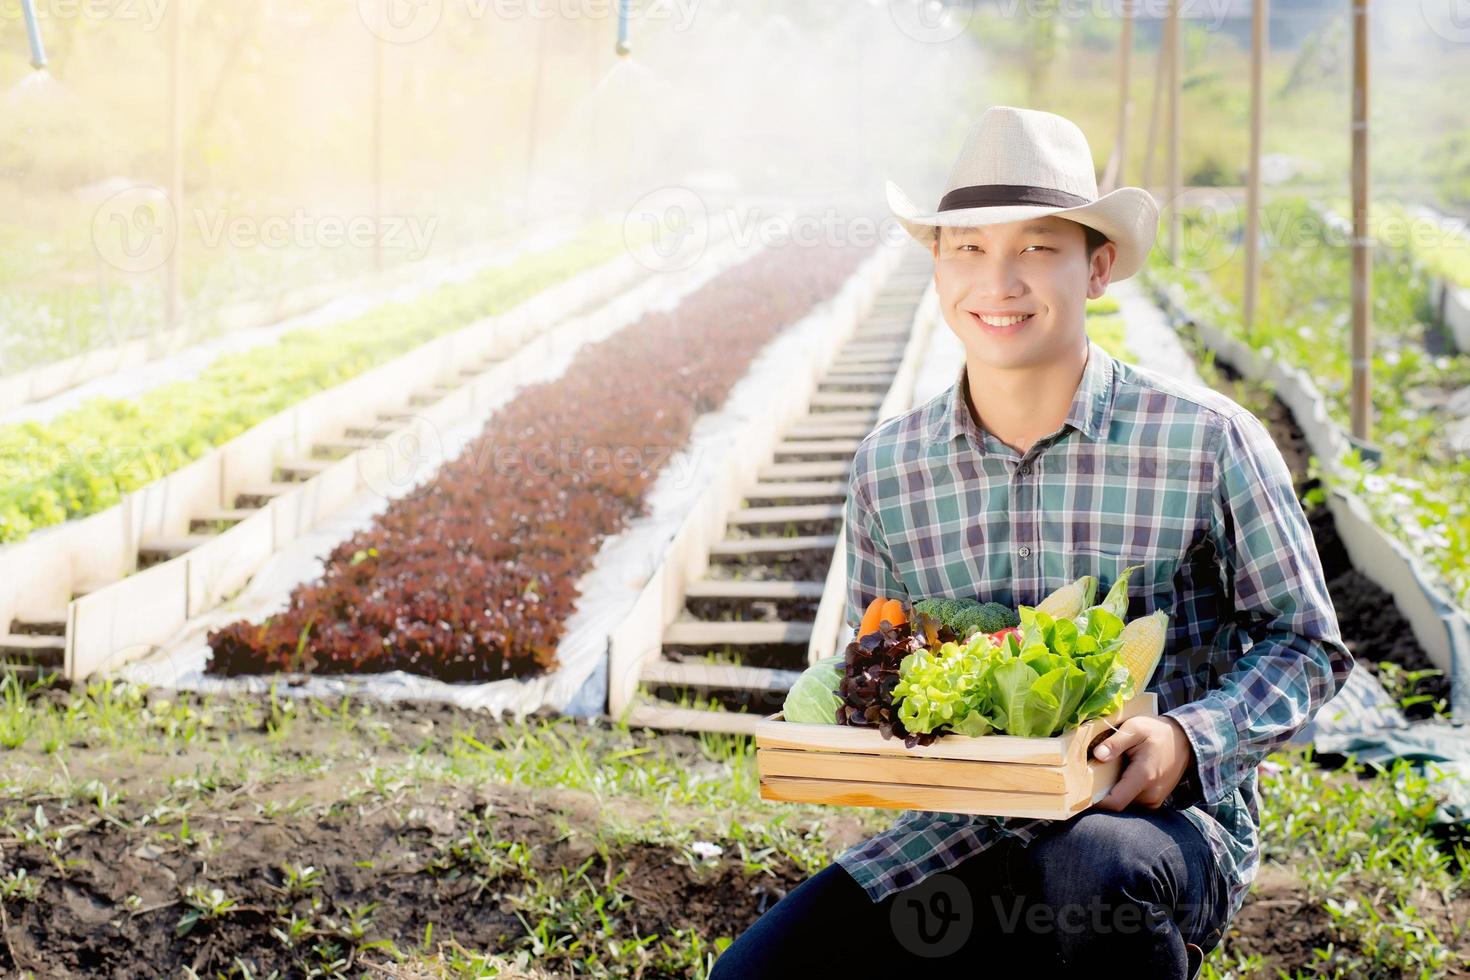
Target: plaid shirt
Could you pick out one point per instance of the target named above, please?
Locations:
(1148, 471)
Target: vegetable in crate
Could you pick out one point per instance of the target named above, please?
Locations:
(881, 610)
(870, 671)
(946, 688)
(813, 699)
(969, 616)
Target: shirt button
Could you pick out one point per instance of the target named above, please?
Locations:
(1024, 551)
(1025, 469)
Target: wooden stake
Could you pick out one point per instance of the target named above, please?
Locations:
(1260, 22)
(1161, 78)
(377, 154)
(1118, 164)
(175, 285)
(1362, 404)
(1174, 181)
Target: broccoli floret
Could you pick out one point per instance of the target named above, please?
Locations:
(992, 617)
(968, 616)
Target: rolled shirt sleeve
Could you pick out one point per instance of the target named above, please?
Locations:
(1296, 660)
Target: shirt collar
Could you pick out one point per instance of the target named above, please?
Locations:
(1088, 414)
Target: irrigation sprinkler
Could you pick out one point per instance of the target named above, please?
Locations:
(33, 34)
(623, 49)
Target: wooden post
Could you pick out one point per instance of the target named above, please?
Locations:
(1161, 78)
(1260, 21)
(532, 124)
(174, 291)
(1118, 165)
(1362, 403)
(1174, 183)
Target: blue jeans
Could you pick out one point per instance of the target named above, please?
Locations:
(1099, 893)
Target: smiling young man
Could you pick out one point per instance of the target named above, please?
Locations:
(1047, 460)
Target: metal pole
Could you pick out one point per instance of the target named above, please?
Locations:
(1174, 181)
(531, 124)
(1260, 15)
(1362, 403)
(377, 154)
(33, 35)
(1118, 165)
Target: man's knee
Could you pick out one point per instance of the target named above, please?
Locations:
(1097, 876)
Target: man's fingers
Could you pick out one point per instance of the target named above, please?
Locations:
(1125, 790)
(1119, 742)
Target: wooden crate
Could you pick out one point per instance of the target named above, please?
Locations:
(995, 775)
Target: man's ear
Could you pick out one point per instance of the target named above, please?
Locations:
(1100, 271)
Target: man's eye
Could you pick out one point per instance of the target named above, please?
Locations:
(1042, 247)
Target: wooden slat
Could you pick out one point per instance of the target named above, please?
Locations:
(734, 632)
(873, 350)
(676, 718)
(230, 515)
(900, 796)
(717, 676)
(802, 471)
(858, 378)
(49, 651)
(809, 447)
(173, 546)
(774, 546)
(851, 417)
(864, 362)
(777, 734)
(1005, 776)
(784, 515)
(346, 444)
(265, 491)
(824, 488)
(713, 588)
(845, 399)
(306, 467)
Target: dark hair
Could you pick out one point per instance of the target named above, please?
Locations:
(1095, 239)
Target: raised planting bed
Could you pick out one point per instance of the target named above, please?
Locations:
(87, 459)
(472, 576)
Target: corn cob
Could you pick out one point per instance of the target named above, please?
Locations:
(1069, 601)
(1143, 646)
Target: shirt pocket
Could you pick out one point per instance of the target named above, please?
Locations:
(1150, 587)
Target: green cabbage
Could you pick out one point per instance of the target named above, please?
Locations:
(813, 699)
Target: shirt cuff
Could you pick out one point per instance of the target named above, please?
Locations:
(1202, 726)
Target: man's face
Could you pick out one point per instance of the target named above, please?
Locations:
(1038, 267)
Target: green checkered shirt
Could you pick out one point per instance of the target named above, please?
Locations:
(1145, 470)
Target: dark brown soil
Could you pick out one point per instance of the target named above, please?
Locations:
(407, 853)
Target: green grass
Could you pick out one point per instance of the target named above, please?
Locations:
(1364, 848)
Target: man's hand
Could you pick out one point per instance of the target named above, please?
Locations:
(1158, 755)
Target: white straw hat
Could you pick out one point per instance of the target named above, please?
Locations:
(1024, 163)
